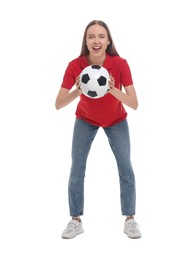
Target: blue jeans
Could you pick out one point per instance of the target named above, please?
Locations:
(118, 137)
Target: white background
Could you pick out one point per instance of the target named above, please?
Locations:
(38, 39)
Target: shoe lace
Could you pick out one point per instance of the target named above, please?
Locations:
(71, 225)
(133, 225)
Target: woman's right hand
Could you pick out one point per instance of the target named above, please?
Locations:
(78, 84)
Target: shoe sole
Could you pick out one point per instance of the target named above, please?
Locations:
(72, 237)
(132, 237)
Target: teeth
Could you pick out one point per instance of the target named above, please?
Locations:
(96, 48)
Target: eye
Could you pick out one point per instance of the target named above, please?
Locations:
(102, 36)
(90, 37)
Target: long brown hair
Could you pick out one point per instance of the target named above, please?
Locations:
(111, 50)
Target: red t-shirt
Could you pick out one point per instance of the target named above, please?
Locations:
(105, 111)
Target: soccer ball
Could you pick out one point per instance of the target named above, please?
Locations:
(94, 81)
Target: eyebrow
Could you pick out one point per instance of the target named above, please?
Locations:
(101, 34)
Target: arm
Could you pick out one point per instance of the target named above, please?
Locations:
(129, 97)
(65, 97)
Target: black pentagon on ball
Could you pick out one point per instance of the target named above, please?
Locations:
(92, 93)
(85, 78)
(97, 67)
(102, 81)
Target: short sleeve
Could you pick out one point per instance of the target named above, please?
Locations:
(126, 77)
(69, 77)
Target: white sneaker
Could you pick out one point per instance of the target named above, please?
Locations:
(131, 228)
(73, 228)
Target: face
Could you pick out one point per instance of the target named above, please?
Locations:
(97, 40)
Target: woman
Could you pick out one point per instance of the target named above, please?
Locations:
(106, 112)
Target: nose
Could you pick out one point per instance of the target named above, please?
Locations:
(96, 39)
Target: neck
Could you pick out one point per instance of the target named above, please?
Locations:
(96, 60)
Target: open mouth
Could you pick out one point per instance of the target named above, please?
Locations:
(96, 48)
